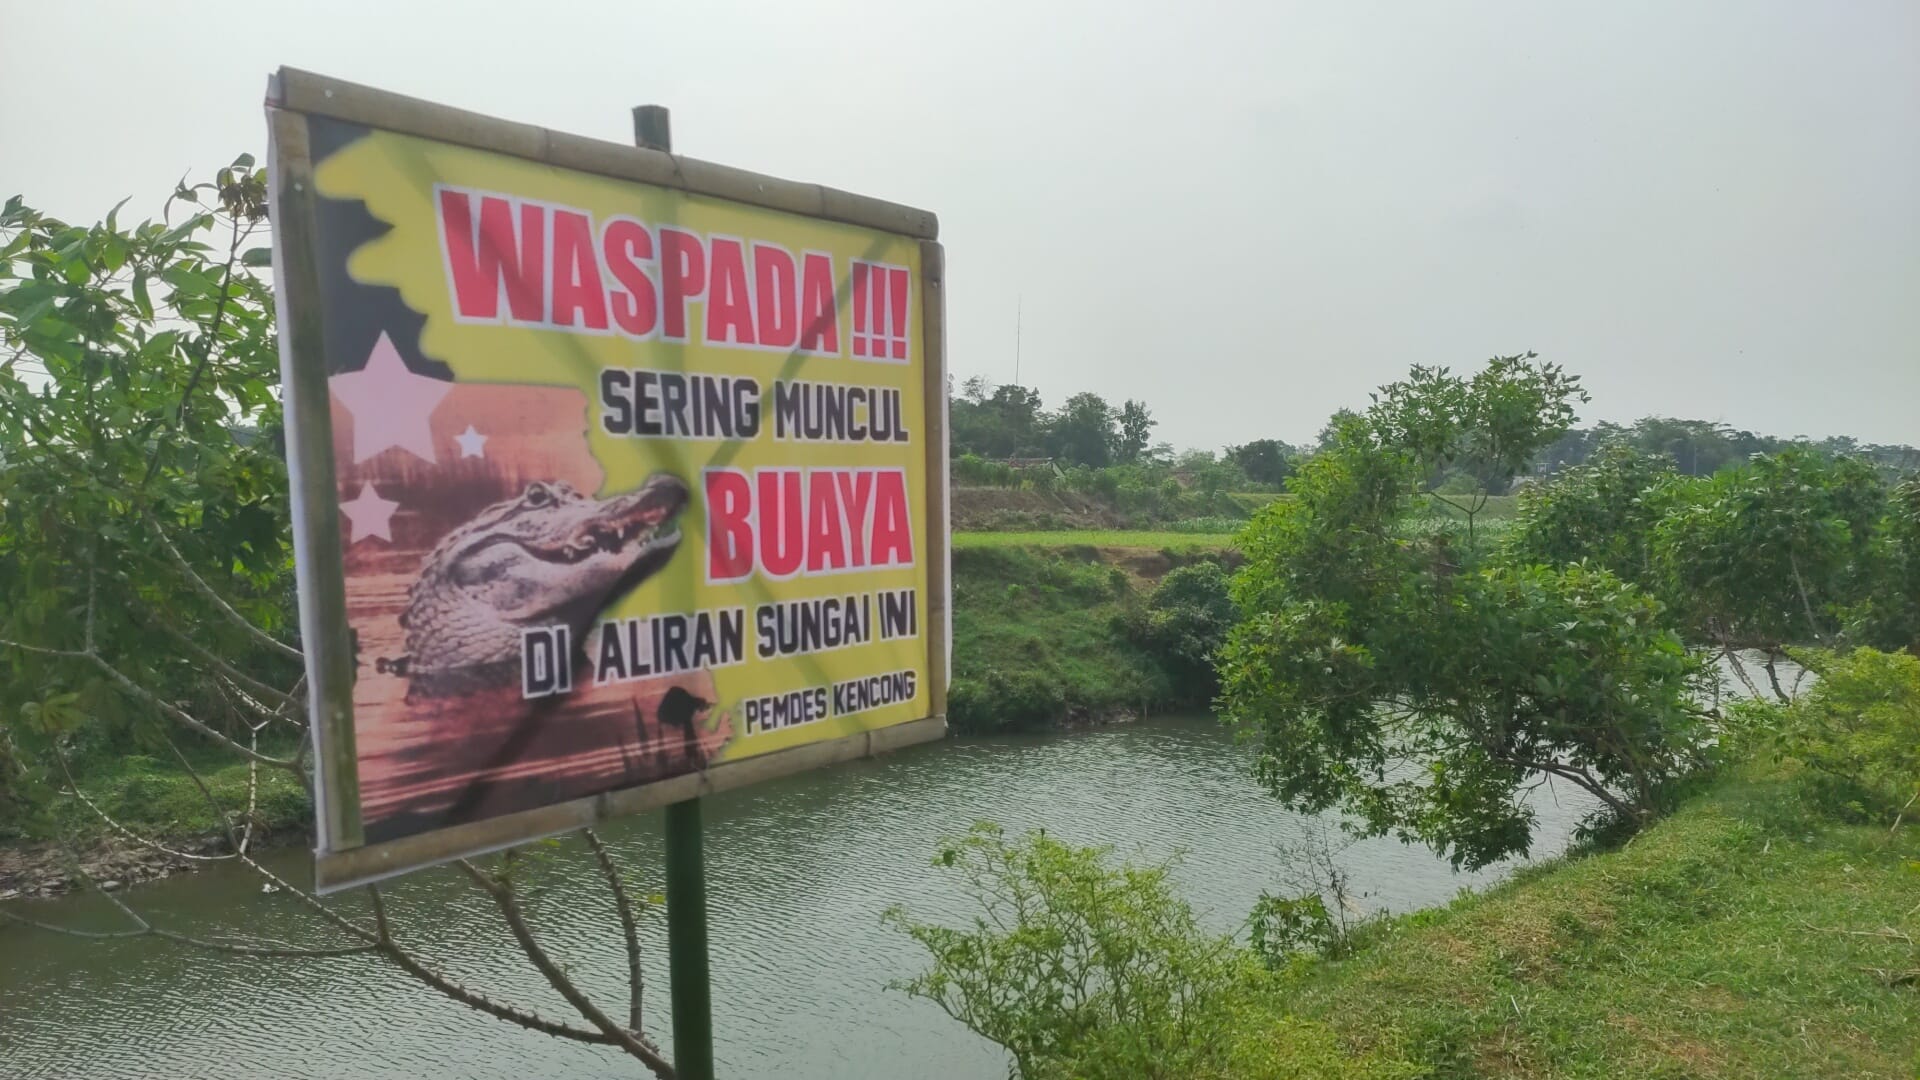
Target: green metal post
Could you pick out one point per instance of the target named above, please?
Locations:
(690, 989)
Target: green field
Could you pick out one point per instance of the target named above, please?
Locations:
(1118, 538)
(1254, 500)
(1496, 506)
(1753, 934)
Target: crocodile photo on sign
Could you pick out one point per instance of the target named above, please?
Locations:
(549, 557)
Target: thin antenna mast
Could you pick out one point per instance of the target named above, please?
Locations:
(1019, 306)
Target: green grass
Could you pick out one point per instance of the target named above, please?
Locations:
(1748, 936)
(1123, 538)
(153, 796)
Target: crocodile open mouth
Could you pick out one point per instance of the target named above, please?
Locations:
(610, 539)
(645, 519)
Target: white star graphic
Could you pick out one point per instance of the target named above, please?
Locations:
(470, 442)
(390, 404)
(370, 514)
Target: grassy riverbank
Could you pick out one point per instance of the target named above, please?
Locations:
(1752, 934)
(1038, 638)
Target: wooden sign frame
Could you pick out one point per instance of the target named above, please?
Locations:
(344, 858)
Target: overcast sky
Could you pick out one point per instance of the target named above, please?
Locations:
(1247, 214)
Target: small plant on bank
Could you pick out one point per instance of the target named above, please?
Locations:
(1183, 624)
(1085, 968)
(1076, 965)
(1857, 730)
(1320, 912)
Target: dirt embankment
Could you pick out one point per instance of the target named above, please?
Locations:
(35, 870)
(1146, 566)
(982, 509)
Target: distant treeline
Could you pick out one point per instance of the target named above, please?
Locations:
(991, 425)
(1703, 447)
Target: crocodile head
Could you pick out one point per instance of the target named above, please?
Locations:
(548, 557)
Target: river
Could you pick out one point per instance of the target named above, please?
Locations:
(799, 871)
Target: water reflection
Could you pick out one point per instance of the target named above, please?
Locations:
(799, 871)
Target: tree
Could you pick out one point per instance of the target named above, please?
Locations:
(146, 561)
(1419, 687)
(1265, 461)
(1770, 552)
(1698, 447)
(996, 422)
(1489, 427)
(1083, 431)
(1330, 432)
(1886, 615)
(1136, 431)
(1603, 512)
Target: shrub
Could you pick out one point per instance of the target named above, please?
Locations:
(1072, 960)
(1089, 969)
(1857, 729)
(1183, 624)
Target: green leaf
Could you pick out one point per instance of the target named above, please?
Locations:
(259, 256)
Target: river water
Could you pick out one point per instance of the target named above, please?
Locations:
(798, 870)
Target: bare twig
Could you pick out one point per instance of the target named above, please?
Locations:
(143, 928)
(251, 685)
(253, 792)
(400, 958)
(1902, 815)
(1773, 679)
(380, 924)
(68, 930)
(219, 813)
(1739, 669)
(219, 602)
(382, 940)
(168, 707)
(93, 593)
(184, 717)
(632, 1042)
(1887, 932)
(377, 940)
(43, 650)
(628, 926)
(1813, 625)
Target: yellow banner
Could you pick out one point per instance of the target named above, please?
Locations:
(631, 481)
